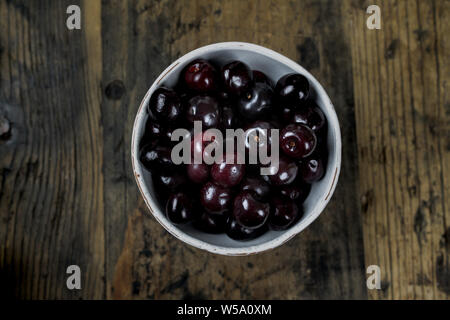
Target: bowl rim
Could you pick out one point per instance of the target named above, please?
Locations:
(287, 234)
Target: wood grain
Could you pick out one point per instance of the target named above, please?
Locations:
(400, 74)
(51, 199)
(67, 193)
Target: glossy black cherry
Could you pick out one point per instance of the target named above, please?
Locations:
(237, 77)
(249, 212)
(237, 232)
(312, 168)
(211, 223)
(171, 181)
(311, 116)
(298, 190)
(259, 76)
(259, 188)
(215, 199)
(156, 158)
(165, 105)
(292, 88)
(203, 108)
(283, 213)
(179, 208)
(256, 102)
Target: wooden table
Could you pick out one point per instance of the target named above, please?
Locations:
(68, 196)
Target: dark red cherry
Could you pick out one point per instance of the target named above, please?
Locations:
(259, 76)
(258, 134)
(205, 109)
(286, 174)
(156, 158)
(312, 168)
(297, 141)
(249, 212)
(237, 232)
(292, 88)
(283, 213)
(198, 173)
(286, 113)
(298, 190)
(311, 116)
(179, 208)
(259, 188)
(167, 136)
(199, 144)
(153, 130)
(201, 76)
(229, 118)
(237, 77)
(256, 102)
(165, 105)
(227, 173)
(214, 198)
(171, 181)
(211, 223)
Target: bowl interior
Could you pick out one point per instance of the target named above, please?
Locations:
(274, 66)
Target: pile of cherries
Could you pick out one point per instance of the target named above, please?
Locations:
(230, 197)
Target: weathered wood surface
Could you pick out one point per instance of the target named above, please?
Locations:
(68, 196)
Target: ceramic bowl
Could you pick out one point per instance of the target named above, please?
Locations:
(274, 65)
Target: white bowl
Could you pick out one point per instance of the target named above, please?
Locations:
(273, 65)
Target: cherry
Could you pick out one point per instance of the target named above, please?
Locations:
(171, 181)
(256, 102)
(227, 174)
(214, 198)
(224, 96)
(153, 130)
(297, 141)
(201, 76)
(261, 132)
(237, 232)
(198, 173)
(292, 88)
(198, 145)
(211, 223)
(167, 136)
(249, 212)
(259, 188)
(283, 213)
(286, 113)
(179, 208)
(205, 109)
(310, 116)
(156, 158)
(286, 174)
(298, 190)
(237, 77)
(259, 76)
(229, 118)
(165, 105)
(312, 168)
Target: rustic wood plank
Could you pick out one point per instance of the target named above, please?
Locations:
(67, 106)
(400, 75)
(51, 196)
(326, 261)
